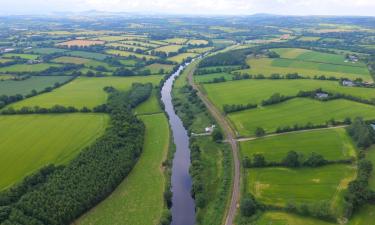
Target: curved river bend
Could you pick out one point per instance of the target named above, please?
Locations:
(183, 206)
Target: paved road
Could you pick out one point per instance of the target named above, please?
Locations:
(231, 137)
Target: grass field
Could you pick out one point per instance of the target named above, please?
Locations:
(333, 144)
(280, 186)
(24, 146)
(371, 156)
(267, 66)
(197, 42)
(254, 91)
(81, 61)
(138, 200)
(22, 56)
(27, 67)
(84, 91)
(88, 55)
(150, 106)
(38, 83)
(181, 57)
(45, 51)
(169, 48)
(126, 54)
(298, 111)
(126, 46)
(156, 67)
(200, 50)
(307, 38)
(143, 44)
(209, 78)
(282, 218)
(81, 43)
(363, 216)
(178, 41)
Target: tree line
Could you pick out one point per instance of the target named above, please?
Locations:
(62, 195)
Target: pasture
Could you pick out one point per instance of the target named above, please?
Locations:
(22, 56)
(80, 43)
(282, 218)
(84, 91)
(22, 68)
(363, 216)
(45, 51)
(371, 156)
(29, 142)
(168, 49)
(126, 46)
(210, 77)
(81, 61)
(127, 54)
(279, 186)
(88, 55)
(254, 91)
(200, 50)
(333, 144)
(197, 42)
(308, 38)
(138, 200)
(24, 87)
(267, 66)
(298, 111)
(150, 106)
(177, 41)
(181, 57)
(157, 67)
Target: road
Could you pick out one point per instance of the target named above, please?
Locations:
(231, 138)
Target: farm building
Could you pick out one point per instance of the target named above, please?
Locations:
(373, 126)
(321, 95)
(348, 83)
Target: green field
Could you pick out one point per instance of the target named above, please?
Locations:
(197, 42)
(81, 61)
(307, 38)
(298, 111)
(138, 200)
(84, 91)
(27, 67)
(29, 142)
(22, 56)
(254, 91)
(333, 144)
(168, 49)
(268, 66)
(363, 216)
(209, 77)
(126, 46)
(45, 51)
(178, 41)
(126, 54)
(280, 186)
(24, 87)
(88, 55)
(156, 67)
(150, 106)
(371, 156)
(200, 50)
(181, 57)
(282, 218)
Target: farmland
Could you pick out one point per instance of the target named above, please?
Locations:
(126, 54)
(181, 57)
(254, 91)
(298, 111)
(81, 43)
(18, 68)
(25, 148)
(287, 219)
(331, 143)
(84, 92)
(11, 87)
(127, 204)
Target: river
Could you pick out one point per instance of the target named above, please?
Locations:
(183, 205)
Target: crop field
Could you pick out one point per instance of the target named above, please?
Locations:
(22, 56)
(181, 57)
(156, 67)
(298, 111)
(88, 55)
(279, 186)
(127, 204)
(254, 91)
(282, 218)
(24, 87)
(168, 49)
(81, 43)
(17, 68)
(333, 144)
(84, 91)
(25, 148)
(126, 54)
(4, 77)
(2, 60)
(126, 46)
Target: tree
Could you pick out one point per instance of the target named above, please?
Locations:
(217, 136)
(248, 206)
(291, 159)
(259, 132)
(246, 162)
(259, 160)
(315, 160)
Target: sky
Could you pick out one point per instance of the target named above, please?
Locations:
(194, 7)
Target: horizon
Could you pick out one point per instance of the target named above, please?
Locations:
(194, 7)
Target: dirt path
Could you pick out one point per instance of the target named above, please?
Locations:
(291, 132)
(231, 137)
